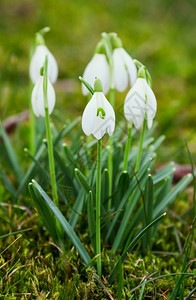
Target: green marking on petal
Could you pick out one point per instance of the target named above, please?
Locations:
(101, 112)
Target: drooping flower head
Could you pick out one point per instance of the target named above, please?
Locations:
(98, 67)
(112, 64)
(124, 68)
(37, 97)
(98, 116)
(38, 58)
(140, 102)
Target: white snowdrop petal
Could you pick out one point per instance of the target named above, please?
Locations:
(40, 98)
(99, 129)
(91, 123)
(36, 96)
(135, 111)
(52, 68)
(37, 63)
(120, 73)
(139, 103)
(149, 123)
(151, 102)
(89, 116)
(110, 117)
(131, 67)
(34, 101)
(134, 105)
(108, 123)
(97, 67)
(51, 96)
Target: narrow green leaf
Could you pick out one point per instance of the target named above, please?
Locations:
(122, 187)
(149, 208)
(176, 289)
(29, 174)
(87, 85)
(190, 294)
(68, 229)
(142, 290)
(66, 130)
(44, 211)
(77, 208)
(82, 180)
(131, 246)
(66, 169)
(133, 184)
(7, 183)
(162, 276)
(164, 173)
(171, 196)
(11, 154)
(70, 156)
(91, 220)
(13, 233)
(105, 187)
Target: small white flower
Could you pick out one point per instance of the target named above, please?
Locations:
(124, 69)
(37, 97)
(97, 67)
(140, 103)
(98, 116)
(37, 63)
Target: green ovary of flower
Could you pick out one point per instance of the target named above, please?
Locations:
(101, 112)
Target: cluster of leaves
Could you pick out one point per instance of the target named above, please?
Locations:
(143, 196)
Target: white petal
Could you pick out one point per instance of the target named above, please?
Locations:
(140, 101)
(108, 123)
(51, 97)
(151, 104)
(52, 68)
(91, 123)
(120, 73)
(97, 67)
(37, 98)
(37, 63)
(89, 116)
(149, 123)
(134, 105)
(131, 67)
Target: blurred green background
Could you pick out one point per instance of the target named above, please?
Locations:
(161, 34)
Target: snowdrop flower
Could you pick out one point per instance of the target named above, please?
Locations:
(37, 97)
(124, 68)
(140, 103)
(98, 116)
(37, 62)
(98, 67)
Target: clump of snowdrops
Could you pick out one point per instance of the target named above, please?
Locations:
(104, 182)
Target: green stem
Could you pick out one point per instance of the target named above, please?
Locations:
(140, 146)
(49, 138)
(110, 154)
(32, 123)
(127, 148)
(98, 207)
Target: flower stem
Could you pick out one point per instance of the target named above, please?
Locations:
(110, 154)
(98, 207)
(49, 138)
(140, 146)
(127, 148)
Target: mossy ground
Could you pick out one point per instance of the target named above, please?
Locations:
(32, 267)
